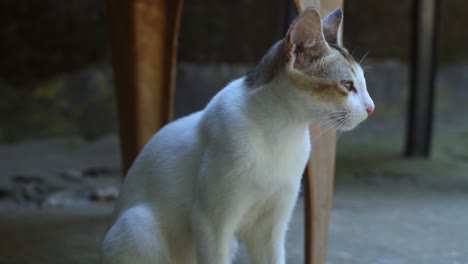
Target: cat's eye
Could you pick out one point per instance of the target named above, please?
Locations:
(349, 86)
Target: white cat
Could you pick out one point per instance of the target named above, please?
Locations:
(233, 170)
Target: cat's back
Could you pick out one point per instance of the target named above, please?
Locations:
(192, 133)
(224, 108)
(225, 115)
(164, 161)
(183, 131)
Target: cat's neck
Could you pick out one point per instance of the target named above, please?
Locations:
(274, 114)
(270, 97)
(275, 105)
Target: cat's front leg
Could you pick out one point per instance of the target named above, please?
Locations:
(265, 245)
(265, 241)
(213, 238)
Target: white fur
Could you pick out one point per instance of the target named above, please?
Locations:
(357, 103)
(231, 171)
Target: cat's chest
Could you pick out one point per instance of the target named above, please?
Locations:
(280, 160)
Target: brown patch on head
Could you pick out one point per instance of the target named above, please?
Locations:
(322, 77)
(331, 91)
(322, 89)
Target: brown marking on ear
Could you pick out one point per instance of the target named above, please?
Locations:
(305, 41)
(307, 27)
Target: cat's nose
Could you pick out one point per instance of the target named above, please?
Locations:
(370, 109)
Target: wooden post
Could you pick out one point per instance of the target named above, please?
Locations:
(320, 172)
(318, 191)
(418, 138)
(143, 37)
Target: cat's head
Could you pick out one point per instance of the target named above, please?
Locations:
(324, 72)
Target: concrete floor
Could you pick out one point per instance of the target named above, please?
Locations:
(381, 224)
(386, 209)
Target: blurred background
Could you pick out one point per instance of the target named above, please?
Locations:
(60, 164)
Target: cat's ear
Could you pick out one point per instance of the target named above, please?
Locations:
(331, 27)
(305, 40)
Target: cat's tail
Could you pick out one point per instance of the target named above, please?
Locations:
(134, 238)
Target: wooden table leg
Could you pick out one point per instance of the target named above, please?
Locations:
(143, 37)
(318, 192)
(320, 171)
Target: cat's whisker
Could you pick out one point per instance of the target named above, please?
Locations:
(328, 127)
(331, 121)
(332, 116)
(323, 131)
(366, 68)
(364, 57)
(343, 121)
(336, 113)
(342, 124)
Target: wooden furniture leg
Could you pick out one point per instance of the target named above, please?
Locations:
(143, 36)
(318, 192)
(319, 176)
